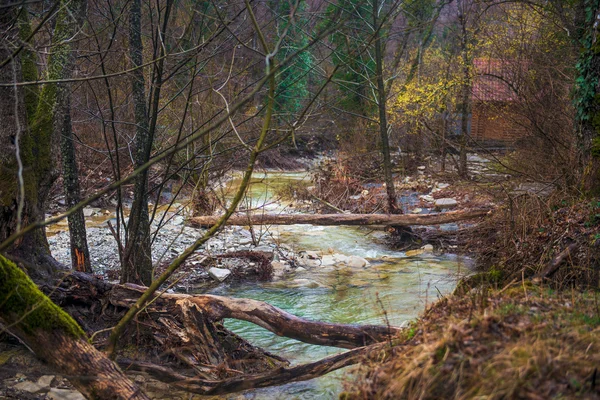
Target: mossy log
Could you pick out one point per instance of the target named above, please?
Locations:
(345, 219)
(57, 339)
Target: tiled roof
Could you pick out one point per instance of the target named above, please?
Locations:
(494, 80)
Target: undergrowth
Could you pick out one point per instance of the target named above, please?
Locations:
(522, 341)
(523, 238)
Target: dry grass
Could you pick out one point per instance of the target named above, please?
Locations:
(524, 342)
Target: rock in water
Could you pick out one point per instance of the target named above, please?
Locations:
(446, 203)
(356, 262)
(219, 274)
(427, 248)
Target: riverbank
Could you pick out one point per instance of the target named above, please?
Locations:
(520, 341)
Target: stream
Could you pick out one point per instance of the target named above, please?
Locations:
(393, 289)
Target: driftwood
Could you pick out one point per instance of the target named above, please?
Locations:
(345, 219)
(556, 262)
(278, 376)
(281, 323)
(180, 340)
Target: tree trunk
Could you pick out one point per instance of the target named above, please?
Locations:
(137, 256)
(80, 255)
(344, 219)
(57, 339)
(20, 172)
(383, 126)
(70, 21)
(465, 104)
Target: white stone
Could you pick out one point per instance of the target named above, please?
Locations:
(313, 255)
(89, 211)
(30, 387)
(307, 263)
(277, 265)
(64, 394)
(417, 211)
(45, 380)
(219, 274)
(446, 203)
(443, 185)
(427, 248)
(427, 198)
(340, 258)
(300, 269)
(177, 220)
(328, 260)
(421, 168)
(356, 262)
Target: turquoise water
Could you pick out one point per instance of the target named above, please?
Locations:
(394, 289)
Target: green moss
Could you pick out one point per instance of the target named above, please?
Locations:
(25, 306)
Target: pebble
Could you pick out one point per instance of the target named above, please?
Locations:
(45, 380)
(446, 203)
(64, 394)
(27, 386)
(219, 274)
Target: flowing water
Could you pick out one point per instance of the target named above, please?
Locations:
(394, 289)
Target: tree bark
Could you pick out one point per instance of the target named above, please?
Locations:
(80, 255)
(345, 219)
(20, 200)
(137, 256)
(57, 339)
(278, 376)
(70, 20)
(465, 104)
(383, 125)
(281, 323)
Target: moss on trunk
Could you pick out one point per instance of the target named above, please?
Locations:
(23, 305)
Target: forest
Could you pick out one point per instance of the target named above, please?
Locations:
(299, 199)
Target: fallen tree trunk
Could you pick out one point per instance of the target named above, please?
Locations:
(556, 262)
(280, 322)
(345, 219)
(180, 339)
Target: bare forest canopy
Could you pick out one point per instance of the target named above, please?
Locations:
(134, 105)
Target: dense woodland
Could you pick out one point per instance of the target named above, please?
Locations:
(138, 107)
